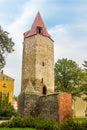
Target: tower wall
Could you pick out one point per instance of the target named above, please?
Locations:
(28, 62)
(38, 64)
(44, 64)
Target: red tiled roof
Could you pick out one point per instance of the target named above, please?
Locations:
(38, 22)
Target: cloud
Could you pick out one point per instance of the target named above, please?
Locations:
(16, 30)
(66, 44)
(67, 26)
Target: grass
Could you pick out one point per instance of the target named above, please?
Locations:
(17, 129)
(80, 119)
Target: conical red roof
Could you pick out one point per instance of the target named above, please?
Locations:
(38, 23)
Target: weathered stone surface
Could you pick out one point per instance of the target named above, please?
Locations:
(21, 100)
(48, 106)
(27, 104)
(55, 106)
(38, 64)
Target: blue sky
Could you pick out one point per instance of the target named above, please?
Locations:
(65, 20)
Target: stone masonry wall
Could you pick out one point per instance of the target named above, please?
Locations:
(55, 106)
(28, 62)
(44, 54)
(48, 106)
(27, 104)
(38, 64)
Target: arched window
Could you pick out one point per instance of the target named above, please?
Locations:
(44, 90)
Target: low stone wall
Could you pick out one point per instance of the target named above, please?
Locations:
(48, 106)
(27, 104)
(65, 106)
(55, 106)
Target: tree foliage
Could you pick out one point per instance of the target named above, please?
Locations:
(68, 77)
(6, 46)
(84, 87)
(6, 108)
(85, 66)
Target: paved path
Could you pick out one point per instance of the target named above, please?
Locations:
(3, 121)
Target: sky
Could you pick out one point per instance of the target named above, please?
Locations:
(65, 20)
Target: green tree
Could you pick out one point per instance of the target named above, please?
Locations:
(85, 65)
(6, 46)
(69, 77)
(84, 91)
(84, 87)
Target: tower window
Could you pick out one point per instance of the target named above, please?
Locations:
(39, 30)
(42, 80)
(43, 63)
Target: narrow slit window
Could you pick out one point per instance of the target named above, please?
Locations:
(43, 63)
(42, 80)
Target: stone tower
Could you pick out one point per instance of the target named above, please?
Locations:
(37, 97)
(38, 60)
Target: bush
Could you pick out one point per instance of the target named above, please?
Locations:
(38, 123)
(28, 122)
(6, 108)
(73, 125)
(67, 125)
(44, 124)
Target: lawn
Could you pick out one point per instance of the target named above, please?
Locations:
(17, 129)
(80, 119)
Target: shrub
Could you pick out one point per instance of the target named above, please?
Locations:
(38, 123)
(44, 124)
(6, 108)
(4, 124)
(73, 125)
(67, 125)
(28, 122)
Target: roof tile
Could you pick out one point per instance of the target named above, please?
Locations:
(38, 23)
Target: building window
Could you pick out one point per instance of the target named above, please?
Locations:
(6, 77)
(39, 30)
(4, 85)
(3, 92)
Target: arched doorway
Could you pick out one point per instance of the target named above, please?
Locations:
(44, 91)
